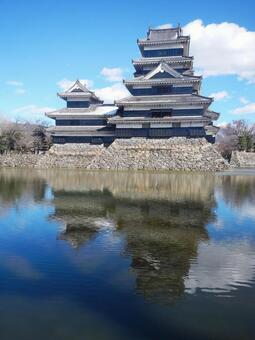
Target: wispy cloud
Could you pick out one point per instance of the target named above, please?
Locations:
(243, 100)
(30, 113)
(18, 85)
(20, 91)
(33, 109)
(15, 83)
(221, 95)
(247, 109)
(112, 74)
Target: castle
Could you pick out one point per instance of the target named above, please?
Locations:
(165, 99)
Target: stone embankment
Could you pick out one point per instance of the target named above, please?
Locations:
(136, 153)
(242, 159)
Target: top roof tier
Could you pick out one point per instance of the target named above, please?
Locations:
(164, 33)
(80, 92)
(163, 38)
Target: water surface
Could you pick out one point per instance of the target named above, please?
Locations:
(128, 255)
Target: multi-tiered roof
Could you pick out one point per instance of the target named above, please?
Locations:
(165, 93)
(84, 119)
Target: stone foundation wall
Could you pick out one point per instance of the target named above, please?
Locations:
(177, 153)
(242, 159)
(14, 160)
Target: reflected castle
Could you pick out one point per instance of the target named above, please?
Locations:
(161, 216)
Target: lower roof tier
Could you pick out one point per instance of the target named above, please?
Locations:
(94, 111)
(79, 131)
(211, 129)
(164, 101)
(165, 120)
(173, 61)
(211, 114)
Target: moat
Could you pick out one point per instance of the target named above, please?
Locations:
(126, 255)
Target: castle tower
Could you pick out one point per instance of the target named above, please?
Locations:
(165, 96)
(84, 119)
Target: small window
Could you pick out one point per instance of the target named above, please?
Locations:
(157, 114)
(146, 125)
(176, 125)
(164, 89)
(160, 114)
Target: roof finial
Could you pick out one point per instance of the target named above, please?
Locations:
(148, 32)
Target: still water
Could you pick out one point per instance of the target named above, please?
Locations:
(107, 255)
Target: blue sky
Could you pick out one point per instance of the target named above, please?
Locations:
(46, 44)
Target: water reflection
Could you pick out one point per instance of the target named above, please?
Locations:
(100, 240)
(14, 184)
(162, 217)
(237, 190)
(221, 268)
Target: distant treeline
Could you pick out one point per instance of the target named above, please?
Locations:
(24, 137)
(238, 135)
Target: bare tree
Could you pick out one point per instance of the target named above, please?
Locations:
(23, 137)
(238, 135)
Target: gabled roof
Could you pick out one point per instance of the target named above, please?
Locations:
(78, 90)
(78, 87)
(162, 67)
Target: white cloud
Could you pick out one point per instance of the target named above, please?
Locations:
(246, 109)
(32, 109)
(220, 95)
(164, 26)
(18, 85)
(15, 83)
(222, 49)
(111, 93)
(65, 84)
(31, 112)
(243, 100)
(112, 74)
